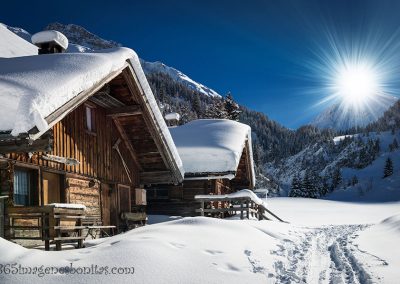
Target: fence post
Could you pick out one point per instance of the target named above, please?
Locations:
(248, 209)
(202, 208)
(2, 215)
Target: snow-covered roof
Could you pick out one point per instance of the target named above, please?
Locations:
(50, 36)
(33, 87)
(12, 45)
(212, 145)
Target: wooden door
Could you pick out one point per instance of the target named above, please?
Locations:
(106, 204)
(124, 198)
(52, 188)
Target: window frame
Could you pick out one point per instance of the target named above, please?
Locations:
(90, 120)
(33, 198)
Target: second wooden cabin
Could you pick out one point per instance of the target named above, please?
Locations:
(217, 158)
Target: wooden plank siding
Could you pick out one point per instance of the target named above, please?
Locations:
(92, 150)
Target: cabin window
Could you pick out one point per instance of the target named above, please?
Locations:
(90, 119)
(157, 193)
(25, 187)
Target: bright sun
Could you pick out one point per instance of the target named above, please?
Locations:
(356, 84)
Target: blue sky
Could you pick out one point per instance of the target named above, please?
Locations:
(260, 51)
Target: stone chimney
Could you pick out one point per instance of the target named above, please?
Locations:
(172, 118)
(50, 42)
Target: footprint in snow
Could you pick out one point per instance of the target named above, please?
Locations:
(213, 252)
(177, 245)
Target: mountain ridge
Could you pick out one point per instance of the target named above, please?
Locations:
(340, 117)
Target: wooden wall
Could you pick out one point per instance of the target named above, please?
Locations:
(85, 192)
(93, 150)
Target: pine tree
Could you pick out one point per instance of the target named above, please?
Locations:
(315, 181)
(197, 105)
(388, 169)
(307, 185)
(232, 108)
(336, 178)
(377, 146)
(324, 188)
(296, 187)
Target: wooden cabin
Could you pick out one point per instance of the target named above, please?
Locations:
(217, 159)
(82, 129)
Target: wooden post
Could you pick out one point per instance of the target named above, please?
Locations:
(58, 242)
(2, 217)
(46, 230)
(260, 213)
(247, 209)
(202, 208)
(241, 210)
(80, 241)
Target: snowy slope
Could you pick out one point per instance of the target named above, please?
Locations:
(372, 187)
(317, 246)
(158, 67)
(380, 241)
(12, 43)
(325, 156)
(336, 117)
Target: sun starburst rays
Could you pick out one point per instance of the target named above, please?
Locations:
(357, 75)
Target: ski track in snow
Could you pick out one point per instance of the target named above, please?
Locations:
(324, 255)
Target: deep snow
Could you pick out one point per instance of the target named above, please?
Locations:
(326, 242)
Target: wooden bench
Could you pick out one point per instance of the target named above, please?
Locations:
(94, 226)
(47, 223)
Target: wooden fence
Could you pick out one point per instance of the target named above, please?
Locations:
(220, 206)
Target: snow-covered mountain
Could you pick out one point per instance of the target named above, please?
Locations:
(338, 118)
(80, 36)
(159, 67)
(81, 40)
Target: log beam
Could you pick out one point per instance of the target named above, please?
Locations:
(124, 111)
(127, 143)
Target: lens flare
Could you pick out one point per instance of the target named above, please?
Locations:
(356, 85)
(357, 76)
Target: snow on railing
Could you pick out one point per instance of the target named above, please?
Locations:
(247, 202)
(238, 194)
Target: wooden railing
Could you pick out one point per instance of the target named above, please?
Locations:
(219, 206)
(46, 223)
